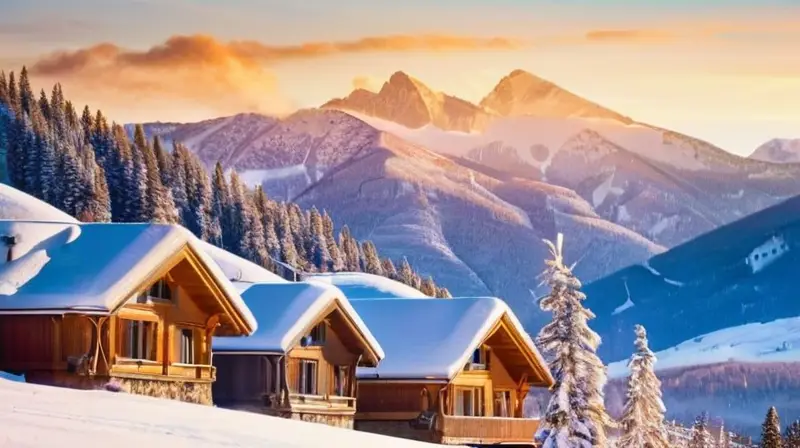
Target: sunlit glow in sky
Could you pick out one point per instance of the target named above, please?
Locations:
(726, 71)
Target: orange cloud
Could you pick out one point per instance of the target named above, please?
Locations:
(629, 36)
(227, 77)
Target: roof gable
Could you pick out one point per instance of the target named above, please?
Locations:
(446, 333)
(105, 263)
(286, 311)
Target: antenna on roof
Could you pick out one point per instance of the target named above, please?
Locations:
(10, 241)
(296, 273)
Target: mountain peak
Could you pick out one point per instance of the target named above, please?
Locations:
(778, 150)
(523, 93)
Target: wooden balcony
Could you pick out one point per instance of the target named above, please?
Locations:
(321, 404)
(458, 430)
(192, 371)
(156, 370)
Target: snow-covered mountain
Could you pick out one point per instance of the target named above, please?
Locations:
(473, 229)
(778, 150)
(407, 101)
(468, 191)
(524, 94)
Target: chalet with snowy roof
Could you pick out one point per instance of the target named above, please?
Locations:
(82, 305)
(456, 372)
(301, 362)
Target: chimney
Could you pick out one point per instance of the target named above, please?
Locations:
(10, 241)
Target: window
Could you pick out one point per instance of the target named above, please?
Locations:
(469, 401)
(502, 403)
(186, 338)
(318, 334)
(307, 377)
(340, 380)
(479, 360)
(138, 339)
(161, 290)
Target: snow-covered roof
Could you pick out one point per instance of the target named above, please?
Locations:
(285, 311)
(433, 339)
(37, 416)
(240, 271)
(93, 267)
(15, 204)
(359, 285)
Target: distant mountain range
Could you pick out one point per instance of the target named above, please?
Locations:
(467, 191)
(778, 150)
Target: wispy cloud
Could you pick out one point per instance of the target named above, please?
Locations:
(225, 76)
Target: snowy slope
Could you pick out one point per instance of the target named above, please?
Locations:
(776, 341)
(778, 150)
(41, 416)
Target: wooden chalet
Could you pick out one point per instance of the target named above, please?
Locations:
(456, 372)
(130, 306)
(301, 362)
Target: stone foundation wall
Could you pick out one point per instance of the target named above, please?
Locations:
(191, 392)
(339, 421)
(396, 428)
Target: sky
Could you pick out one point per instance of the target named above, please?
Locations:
(726, 71)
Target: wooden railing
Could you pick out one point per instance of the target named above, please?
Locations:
(485, 430)
(192, 371)
(322, 401)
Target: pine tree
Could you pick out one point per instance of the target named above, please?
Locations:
(372, 262)
(44, 105)
(428, 287)
(576, 415)
(26, 98)
(266, 211)
(88, 126)
(220, 205)
(724, 438)
(4, 100)
(405, 274)
(792, 435)
(162, 161)
(443, 293)
(318, 247)
(771, 430)
(349, 250)
(701, 438)
(337, 258)
(643, 418)
(388, 268)
(137, 203)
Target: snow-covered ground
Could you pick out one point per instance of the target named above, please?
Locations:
(776, 341)
(41, 416)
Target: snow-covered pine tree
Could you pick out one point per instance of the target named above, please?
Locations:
(372, 262)
(791, 438)
(317, 245)
(428, 287)
(724, 438)
(119, 174)
(87, 126)
(162, 161)
(388, 268)
(771, 430)
(44, 105)
(3, 89)
(335, 252)
(220, 206)
(349, 250)
(179, 187)
(26, 99)
(137, 203)
(405, 274)
(701, 437)
(576, 415)
(643, 417)
(443, 293)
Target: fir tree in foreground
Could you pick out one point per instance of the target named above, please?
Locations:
(791, 438)
(701, 437)
(771, 430)
(576, 416)
(643, 418)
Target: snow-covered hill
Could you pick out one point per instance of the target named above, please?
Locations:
(776, 341)
(778, 150)
(41, 416)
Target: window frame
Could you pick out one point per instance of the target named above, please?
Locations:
(191, 350)
(303, 377)
(140, 339)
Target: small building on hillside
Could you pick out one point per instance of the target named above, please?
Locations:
(456, 372)
(301, 362)
(82, 305)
